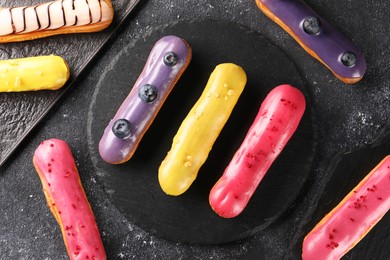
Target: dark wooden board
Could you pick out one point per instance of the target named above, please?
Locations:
(20, 112)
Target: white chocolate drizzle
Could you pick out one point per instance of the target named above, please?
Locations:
(53, 15)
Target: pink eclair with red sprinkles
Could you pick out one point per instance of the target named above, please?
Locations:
(274, 125)
(341, 229)
(66, 199)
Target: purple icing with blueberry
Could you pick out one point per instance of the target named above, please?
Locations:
(168, 59)
(339, 53)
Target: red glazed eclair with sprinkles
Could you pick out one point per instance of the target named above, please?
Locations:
(341, 229)
(57, 17)
(66, 199)
(277, 120)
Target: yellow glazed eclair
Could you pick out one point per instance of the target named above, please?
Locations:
(34, 73)
(57, 17)
(201, 128)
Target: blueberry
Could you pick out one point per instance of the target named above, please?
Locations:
(312, 25)
(147, 93)
(121, 128)
(348, 58)
(170, 59)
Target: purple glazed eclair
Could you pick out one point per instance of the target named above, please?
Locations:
(167, 61)
(319, 38)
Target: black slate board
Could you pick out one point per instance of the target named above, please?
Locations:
(20, 112)
(133, 186)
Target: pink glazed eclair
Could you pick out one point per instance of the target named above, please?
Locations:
(342, 228)
(66, 199)
(275, 123)
(57, 17)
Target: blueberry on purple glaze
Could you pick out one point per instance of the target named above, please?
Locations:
(312, 25)
(170, 59)
(348, 58)
(147, 93)
(121, 128)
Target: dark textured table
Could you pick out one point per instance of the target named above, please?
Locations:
(353, 136)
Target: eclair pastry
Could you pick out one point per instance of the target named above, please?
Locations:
(33, 73)
(67, 201)
(166, 63)
(57, 17)
(274, 125)
(200, 129)
(317, 37)
(342, 228)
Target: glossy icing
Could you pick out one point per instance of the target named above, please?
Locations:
(275, 123)
(138, 113)
(55, 15)
(34, 73)
(66, 199)
(199, 130)
(341, 229)
(327, 46)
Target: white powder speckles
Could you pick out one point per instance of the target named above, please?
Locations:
(361, 126)
(110, 191)
(130, 227)
(365, 118)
